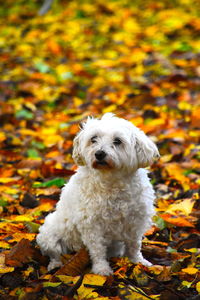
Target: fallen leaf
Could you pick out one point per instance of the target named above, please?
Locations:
(21, 253)
(176, 220)
(90, 280)
(198, 287)
(181, 206)
(190, 270)
(3, 267)
(76, 264)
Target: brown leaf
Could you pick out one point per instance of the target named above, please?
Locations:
(29, 201)
(165, 275)
(76, 265)
(29, 164)
(21, 253)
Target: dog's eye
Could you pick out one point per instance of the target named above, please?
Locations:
(93, 139)
(117, 141)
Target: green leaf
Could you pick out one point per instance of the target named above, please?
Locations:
(3, 203)
(80, 14)
(38, 145)
(42, 67)
(24, 114)
(161, 224)
(32, 153)
(51, 284)
(59, 182)
(184, 46)
(66, 75)
(171, 250)
(32, 227)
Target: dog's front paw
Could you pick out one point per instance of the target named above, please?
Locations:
(145, 262)
(54, 264)
(142, 260)
(102, 268)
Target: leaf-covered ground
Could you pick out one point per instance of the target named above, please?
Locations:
(138, 59)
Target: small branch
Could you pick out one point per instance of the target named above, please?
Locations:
(45, 7)
(135, 288)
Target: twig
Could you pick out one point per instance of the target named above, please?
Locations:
(45, 7)
(134, 288)
(72, 290)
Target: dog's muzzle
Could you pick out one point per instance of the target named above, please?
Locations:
(100, 160)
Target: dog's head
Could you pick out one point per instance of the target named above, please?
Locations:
(113, 143)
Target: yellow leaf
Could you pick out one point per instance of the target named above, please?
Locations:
(110, 108)
(3, 267)
(43, 207)
(192, 250)
(67, 279)
(176, 133)
(190, 270)
(198, 287)
(131, 293)
(183, 206)
(28, 271)
(2, 136)
(166, 158)
(187, 283)
(130, 25)
(175, 171)
(183, 105)
(16, 237)
(137, 121)
(4, 245)
(25, 131)
(21, 218)
(93, 279)
(156, 269)
(140, 276)
(10, 190)
(7, 180)
(194, 133)
(7, 226)
(77, 101)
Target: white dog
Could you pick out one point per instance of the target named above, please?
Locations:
(107, 205)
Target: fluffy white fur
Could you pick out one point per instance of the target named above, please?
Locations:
(107, 205)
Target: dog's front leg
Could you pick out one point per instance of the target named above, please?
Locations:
(97, 248)
(133, 251)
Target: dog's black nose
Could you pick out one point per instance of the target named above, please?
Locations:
(100, 155)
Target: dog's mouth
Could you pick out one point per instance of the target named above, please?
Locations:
(102, 164)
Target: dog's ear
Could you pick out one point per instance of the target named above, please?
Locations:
(77, 156)
(146, 150)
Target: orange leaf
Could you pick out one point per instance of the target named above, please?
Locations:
(54, 47)
(190, 270)
(176, 220)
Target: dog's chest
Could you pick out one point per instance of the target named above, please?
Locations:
(110, 204)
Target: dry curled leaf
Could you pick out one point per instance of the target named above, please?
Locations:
(76, 264)
(21, 253)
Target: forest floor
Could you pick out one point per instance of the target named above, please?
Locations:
(138, 60)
